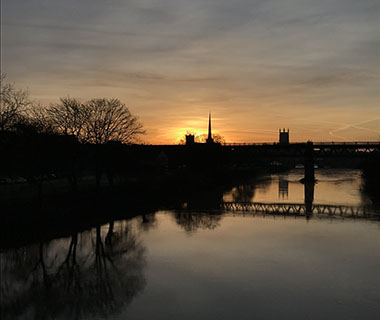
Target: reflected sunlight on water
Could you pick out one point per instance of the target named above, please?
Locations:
(334, 186)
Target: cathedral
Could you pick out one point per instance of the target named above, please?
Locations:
(190, 139)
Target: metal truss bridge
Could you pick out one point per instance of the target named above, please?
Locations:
(301, 209)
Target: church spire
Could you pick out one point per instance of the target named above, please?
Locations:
(209, 137)
(209, 126)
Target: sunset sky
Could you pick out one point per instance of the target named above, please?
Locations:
(257, 65)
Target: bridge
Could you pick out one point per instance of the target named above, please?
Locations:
(290, 150)
(301, 209)
(307, 153)
(297, 149)
(350, 144)
(201, 155)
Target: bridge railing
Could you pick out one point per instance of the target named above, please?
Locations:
(350, 143)
(335, 143)
(300, 209)
(232, 144)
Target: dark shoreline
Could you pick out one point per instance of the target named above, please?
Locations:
(54, 215)
(32, 218)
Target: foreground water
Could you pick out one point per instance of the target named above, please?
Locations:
(185, 264)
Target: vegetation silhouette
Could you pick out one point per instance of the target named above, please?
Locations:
(97, 121)
(14, 104)
(202, 138)
(69, 139)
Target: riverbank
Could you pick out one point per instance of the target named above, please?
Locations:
(52, 209)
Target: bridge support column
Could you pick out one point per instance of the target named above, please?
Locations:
(309, 198)
(309, 163)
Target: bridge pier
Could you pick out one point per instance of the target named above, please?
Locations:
(309, 198)
(309, 163)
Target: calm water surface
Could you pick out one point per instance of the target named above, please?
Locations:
(209, 265)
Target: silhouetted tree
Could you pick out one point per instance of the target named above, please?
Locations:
(203, 137)
(69, 117)
(37, 118)
(97, 121)
(13, 104)
(110, 120)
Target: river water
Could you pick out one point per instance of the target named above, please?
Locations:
(210, 264)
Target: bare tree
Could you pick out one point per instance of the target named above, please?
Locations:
(38, 118)
(97, 121)
(111, 120)
(13, 103)
(69, 117)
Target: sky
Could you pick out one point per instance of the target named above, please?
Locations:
(256, 65)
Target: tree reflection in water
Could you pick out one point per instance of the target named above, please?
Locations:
(246, 192)
(243, 193)
(93, 273)
(148, 222)
(192, 221)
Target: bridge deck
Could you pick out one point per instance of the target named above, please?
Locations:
(374, 144)
(299, 209)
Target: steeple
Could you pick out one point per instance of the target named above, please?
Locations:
(209, 137)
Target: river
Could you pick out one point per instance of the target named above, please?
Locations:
(212, 264)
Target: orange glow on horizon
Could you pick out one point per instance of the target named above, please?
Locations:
(237, 128)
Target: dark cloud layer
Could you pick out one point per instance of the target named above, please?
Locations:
(272, 63)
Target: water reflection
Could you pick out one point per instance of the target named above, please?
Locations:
(262, 267)
(309, 197)
(336, 193)
(283, 187)
(192, 221)
(93, 273)
(199, 258)
(335, 187)
(247, 192)
(148, 222)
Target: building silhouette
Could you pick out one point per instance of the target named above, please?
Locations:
(190, 138)
(209, 137)
(284, 136)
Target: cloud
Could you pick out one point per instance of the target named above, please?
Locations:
(273, 60)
